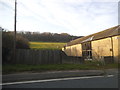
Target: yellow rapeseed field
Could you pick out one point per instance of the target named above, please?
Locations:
(46, 45)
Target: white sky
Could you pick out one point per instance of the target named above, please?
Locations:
(75, 17)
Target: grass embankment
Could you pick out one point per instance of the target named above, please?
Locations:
(54, 67)
(46, 45)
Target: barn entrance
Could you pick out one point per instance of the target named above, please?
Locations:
(87, 51)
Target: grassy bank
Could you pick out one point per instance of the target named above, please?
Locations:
(46, 45)
(40, 68)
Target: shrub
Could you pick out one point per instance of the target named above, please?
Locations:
(8, 43)
(22, 43)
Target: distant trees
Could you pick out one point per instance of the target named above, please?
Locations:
(48, 37)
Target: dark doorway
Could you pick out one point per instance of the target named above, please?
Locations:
(87, 50)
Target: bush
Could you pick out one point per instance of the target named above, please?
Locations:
(8, 41)
(8, 44)
(22, 43)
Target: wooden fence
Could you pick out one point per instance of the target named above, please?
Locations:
(34, 57)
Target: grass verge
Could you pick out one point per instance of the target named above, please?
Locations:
(7, 69)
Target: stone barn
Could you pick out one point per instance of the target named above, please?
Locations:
(104, 45)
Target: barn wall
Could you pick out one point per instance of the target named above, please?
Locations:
(119, 49)
(101, 48)
(74, 50)
(79, 50)
(67, 51)
(115, 47)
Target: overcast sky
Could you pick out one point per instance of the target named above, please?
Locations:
(75, 17)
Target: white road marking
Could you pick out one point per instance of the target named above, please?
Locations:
(59, 79)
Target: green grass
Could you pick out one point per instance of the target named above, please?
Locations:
(46, 45)
(53, 67)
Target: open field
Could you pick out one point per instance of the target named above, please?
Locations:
(53, 67)
(46, 45)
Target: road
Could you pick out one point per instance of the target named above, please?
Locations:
(110, 81)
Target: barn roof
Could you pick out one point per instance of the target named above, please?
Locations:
(100, 35)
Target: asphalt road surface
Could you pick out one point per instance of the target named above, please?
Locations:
(110, 81)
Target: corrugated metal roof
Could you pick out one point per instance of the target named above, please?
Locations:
(103, 34)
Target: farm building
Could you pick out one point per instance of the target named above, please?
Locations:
(104, 45)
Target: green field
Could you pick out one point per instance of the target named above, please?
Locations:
(46, 45)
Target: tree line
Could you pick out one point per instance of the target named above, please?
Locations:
(48, 37)
(45, 36)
